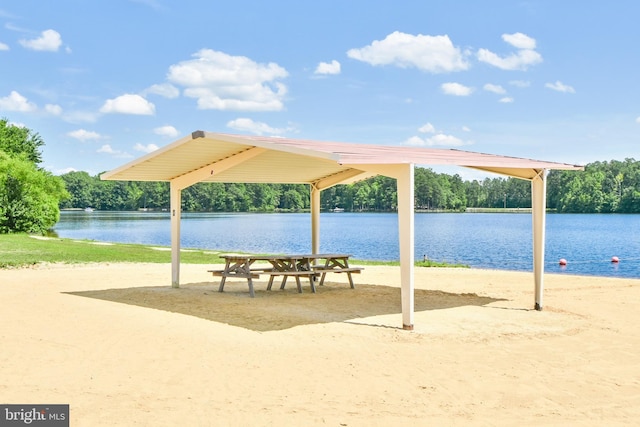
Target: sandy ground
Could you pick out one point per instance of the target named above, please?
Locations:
(123, 348)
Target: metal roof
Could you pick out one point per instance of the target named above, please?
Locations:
(219, 157)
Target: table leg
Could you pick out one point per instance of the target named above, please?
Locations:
(351, 280)
(224, 277)
(322, 278)
(251, 287)
(306, 265)
(346, 265)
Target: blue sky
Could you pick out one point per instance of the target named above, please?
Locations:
(104, 82)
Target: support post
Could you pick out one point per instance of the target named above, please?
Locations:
(176, 197)
(406, 204)
(315, 219)
(539, 206)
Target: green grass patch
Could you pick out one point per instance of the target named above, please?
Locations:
(432, 263)
(427, 263)
(19, 250)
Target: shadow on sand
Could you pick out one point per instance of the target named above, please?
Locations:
(282, 309)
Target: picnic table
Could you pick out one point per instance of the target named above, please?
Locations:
(306, 265)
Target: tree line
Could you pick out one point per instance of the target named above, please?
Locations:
(603, 187)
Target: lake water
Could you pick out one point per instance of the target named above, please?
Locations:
(483, 240)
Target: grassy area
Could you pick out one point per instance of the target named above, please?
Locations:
(19, 250)
(432, 263)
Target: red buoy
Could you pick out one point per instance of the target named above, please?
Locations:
(563, 261)
(615, 259)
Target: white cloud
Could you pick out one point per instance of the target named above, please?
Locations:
(435, 54)
(17, 124)
(85, 135)
(520, 83)
(64, 170)
(521, 60)
(4, 46)
(332, 67)
(427, 128)
(446, 140)
(129, 104)
(166, 90)
(506, 100)
(169, 131)
(12, 27)
(415, 141)
(638, 119)
(145, 148)
(456, 89)
(494, 88)
(516, 61)
(560, 87)
(436, 140)
(466, 128)
(223, 82)
(107, 149)
(519, 40)
(17, 102)
(53, 109)
(258, 128)
(49, 40)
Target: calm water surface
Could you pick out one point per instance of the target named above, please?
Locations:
(492, 240)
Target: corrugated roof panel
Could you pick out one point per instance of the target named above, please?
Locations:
(274, 166)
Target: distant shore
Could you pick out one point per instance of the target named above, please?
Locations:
(498, 210)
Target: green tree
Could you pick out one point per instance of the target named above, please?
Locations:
(16, 140)
(291, 200)
(475, 194)
(518, 193)
(29, 196)
(81, 187)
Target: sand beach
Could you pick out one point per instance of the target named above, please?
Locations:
(122, 348)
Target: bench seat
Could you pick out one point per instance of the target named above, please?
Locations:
(324, 270)
(296, 274)
(223, 273)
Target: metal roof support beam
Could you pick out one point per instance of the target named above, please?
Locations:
(404, 175)
(345, 177)
(539, 207)
(176, 198)
(201, 174)
(406, 208)
(315, 219)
